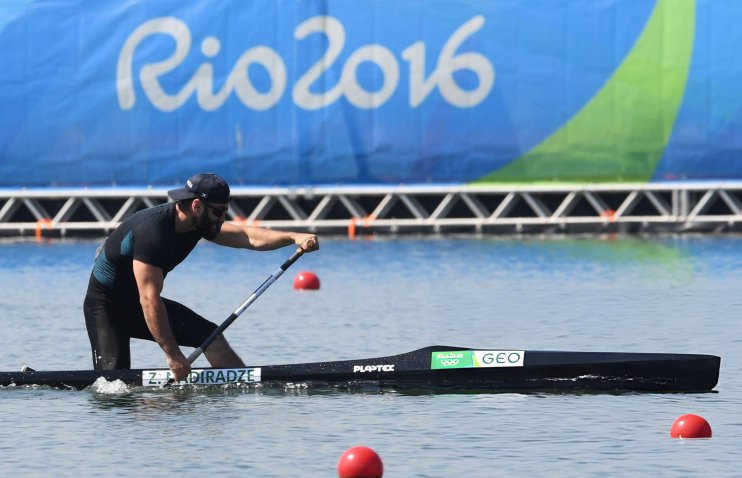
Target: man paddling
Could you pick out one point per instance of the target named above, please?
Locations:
(123, 299)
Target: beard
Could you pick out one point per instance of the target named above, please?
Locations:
(207, 228)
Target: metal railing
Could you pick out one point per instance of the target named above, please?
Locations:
(673, 207)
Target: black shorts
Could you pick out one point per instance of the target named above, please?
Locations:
(111, 324)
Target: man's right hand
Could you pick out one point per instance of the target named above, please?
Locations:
(179, 365)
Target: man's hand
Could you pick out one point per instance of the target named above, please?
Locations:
(307, 242)
(179, 365)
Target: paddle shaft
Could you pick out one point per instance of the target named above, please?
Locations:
(239, 310)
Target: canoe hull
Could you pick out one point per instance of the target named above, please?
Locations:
(442, 367)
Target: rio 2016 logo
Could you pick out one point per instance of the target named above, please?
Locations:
(238, 81)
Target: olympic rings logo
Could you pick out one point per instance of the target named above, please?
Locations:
(449, 362)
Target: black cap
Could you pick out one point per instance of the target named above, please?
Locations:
(206, 186)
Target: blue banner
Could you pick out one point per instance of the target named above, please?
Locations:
(285, 92)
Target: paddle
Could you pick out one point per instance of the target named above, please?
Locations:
(239, 310)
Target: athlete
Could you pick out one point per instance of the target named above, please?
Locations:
(123, 300)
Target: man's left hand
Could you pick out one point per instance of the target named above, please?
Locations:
(307, 242)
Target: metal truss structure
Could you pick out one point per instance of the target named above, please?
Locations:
(663, 207)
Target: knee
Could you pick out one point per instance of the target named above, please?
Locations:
(219, 344)
(220, 340)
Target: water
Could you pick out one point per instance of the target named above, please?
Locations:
(377, 298)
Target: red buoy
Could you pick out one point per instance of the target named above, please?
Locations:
(690, 426)
(306, 280)
(360, 462)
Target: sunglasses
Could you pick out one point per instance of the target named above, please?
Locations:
(217, 211)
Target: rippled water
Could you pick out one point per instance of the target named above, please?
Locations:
(379, 298)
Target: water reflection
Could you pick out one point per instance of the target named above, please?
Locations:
(138, 402)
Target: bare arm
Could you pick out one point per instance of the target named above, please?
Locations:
(262, 239)
(149, 282)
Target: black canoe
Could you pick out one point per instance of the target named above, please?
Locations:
(441, 367)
